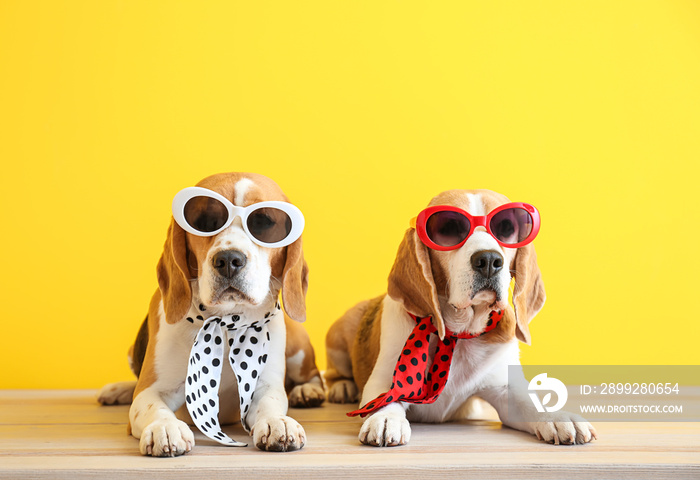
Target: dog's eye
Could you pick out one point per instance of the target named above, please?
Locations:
(205, 214)
(206, 223)
(505, 229)
(447, 228)
(269, 225)
(260, 222)
(511, 225)
(451, 228)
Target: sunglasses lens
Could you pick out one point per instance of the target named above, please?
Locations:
(269, 225)
(205, 214)
(447, 229)
(512, 225)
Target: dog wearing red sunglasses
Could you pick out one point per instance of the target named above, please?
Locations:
(233, 244)
(447, 319)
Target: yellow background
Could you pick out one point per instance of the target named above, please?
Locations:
(361, 111)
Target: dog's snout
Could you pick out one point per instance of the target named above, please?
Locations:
(229, 262)
(487, 262)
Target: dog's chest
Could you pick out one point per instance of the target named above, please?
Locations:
(475, 363)
(227, 356)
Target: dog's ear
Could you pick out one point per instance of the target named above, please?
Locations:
(528, 293)
(173, 275)
(295, 282)
(411, 281)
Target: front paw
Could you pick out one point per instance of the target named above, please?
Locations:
(278, 434)
(166, 438)
(565, 429)
(306, 395)
(385, 430)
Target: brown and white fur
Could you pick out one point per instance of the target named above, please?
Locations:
(186, 276)
(364, 344)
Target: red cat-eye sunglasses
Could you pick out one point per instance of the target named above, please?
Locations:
(443, 227)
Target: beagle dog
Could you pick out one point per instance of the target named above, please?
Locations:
(458, 289)
(220, 274)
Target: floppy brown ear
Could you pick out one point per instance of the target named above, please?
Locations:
(173, 275)
(295, 282)
(411, 281)
(528, 293)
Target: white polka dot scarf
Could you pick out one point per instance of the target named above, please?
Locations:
(248, 340)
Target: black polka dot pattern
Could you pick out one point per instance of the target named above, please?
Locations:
(248, 345)
(412, 381)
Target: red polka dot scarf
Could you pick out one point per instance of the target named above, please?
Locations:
(411, 382)
(248, 341)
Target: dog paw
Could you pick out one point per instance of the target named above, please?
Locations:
(382, 430)
(306, 395)
(166, 438)
(278, 434)
(343, 391)
(120, 393)
(565, 429)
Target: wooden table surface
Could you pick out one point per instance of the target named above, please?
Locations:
(66, 434)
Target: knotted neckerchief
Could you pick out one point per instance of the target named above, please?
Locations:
(248, 340)
(410, 382)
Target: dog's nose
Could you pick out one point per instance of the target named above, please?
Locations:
(487, 262)
(229, 262)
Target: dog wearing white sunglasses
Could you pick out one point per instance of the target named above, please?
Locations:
(233, 244)
(447, 319)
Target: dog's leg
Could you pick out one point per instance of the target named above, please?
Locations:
(154, 423)
(119, 393)
(340, 382)
(303, 380)
(305, 392)
(388, 426)
(341, 385)
(160, 392)
(559, 428)
(122, 393)
(272, 429)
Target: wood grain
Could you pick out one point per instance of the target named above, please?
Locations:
(66, 435)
